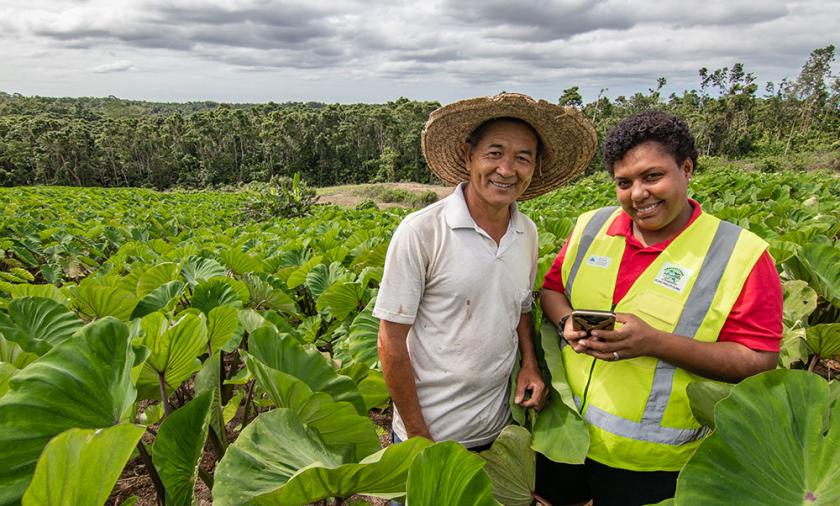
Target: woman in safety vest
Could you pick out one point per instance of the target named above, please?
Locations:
(692, 295)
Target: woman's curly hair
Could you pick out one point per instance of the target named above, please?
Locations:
(668, 130)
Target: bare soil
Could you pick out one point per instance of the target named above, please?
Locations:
(351, 195)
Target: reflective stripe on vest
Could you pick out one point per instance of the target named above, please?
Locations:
(589, 232)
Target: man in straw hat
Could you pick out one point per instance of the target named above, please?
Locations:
(455, 297)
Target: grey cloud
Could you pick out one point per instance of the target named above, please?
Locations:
(539, 21)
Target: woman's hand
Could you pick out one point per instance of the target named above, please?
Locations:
(634, 338)
(575, 338)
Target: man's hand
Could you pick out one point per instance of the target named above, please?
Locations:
(530, 379)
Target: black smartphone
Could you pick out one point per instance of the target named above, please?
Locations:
(590, 319)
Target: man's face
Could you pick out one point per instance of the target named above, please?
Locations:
(501, 165)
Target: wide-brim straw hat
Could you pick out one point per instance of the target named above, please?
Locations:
(568, 138)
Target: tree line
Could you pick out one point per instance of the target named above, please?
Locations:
(114, 142)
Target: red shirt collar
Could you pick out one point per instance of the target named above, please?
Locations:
(623, 225)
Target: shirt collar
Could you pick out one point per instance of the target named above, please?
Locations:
(458, 214)
(623, 225)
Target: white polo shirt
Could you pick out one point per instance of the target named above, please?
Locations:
(463, 296)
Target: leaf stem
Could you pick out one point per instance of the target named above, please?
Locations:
(206, 477)
(248, 400)
(167, 409)
(217, 443)
(813, 363)
(160, 490)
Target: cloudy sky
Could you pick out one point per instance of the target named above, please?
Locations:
(366, 51)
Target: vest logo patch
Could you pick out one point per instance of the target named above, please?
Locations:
(596, 261)
(673, 277)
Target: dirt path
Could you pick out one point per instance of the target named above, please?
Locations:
(351, 195)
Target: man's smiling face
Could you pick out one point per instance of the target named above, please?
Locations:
(501, 164)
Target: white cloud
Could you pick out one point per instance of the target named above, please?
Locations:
(117, 66)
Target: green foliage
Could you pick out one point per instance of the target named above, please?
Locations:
(80, 466)
(775, 442)
(390, 195)
(281, 197)
(204, 290)
(511, 466)
(447, 473)
(179, 446)
(81, 383)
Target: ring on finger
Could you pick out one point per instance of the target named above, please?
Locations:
(616, 356)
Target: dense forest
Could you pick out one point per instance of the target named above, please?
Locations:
(114, 142)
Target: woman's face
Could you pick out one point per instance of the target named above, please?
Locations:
(652, 188)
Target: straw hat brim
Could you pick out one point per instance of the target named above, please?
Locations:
(568, 138)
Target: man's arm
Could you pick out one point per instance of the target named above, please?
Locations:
(399, 376)
(529, 377)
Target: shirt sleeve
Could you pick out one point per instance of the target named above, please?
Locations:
(755, 320)
(554, 277)
(404, 277)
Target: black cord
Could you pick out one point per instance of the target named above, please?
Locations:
(586, 388)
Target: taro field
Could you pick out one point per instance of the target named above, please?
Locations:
(165, 348)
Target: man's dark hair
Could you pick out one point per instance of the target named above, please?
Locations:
(476, 135)
(668, 130)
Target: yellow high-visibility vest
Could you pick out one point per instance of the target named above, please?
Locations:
(637, 409)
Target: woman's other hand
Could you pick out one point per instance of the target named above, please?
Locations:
(633, 338)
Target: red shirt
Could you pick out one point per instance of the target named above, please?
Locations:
(755, 320)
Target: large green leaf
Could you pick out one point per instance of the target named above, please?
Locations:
(382, 474)
(222, 322)
(208, 380)
(214, 293)
(240, 262)
(775, 442)
(338, 423)
(286, 355)
(85, 382)
(268, 452)
(173, 349)
(822, 261)
(163, 298)
(298, 276)
(793, 347)
(800, 301)
(447, 473)
(703, 396)
(7, 372)
(824, 339)
(178, 448)
(322, 277)
(37, 324)
(46, 291)
(98, 301)
(198, 269)
(341, 299)
(511, 466)
(12, 353)
(79, 467)
(363, 335)
(559, 432)
(157, 276)
(265, 295)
